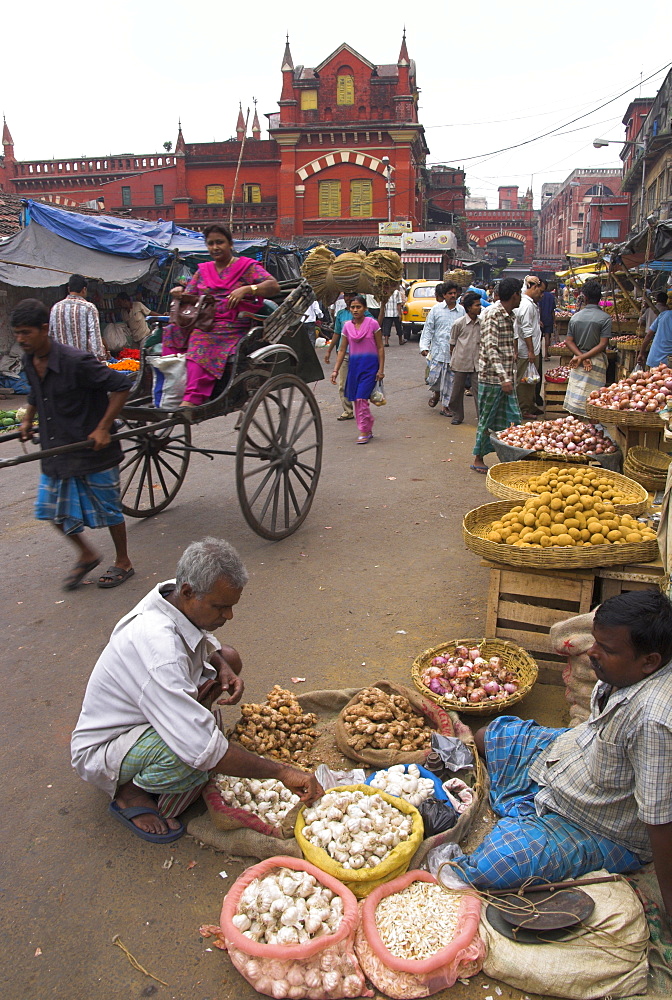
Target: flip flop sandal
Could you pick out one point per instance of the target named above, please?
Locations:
(75, 577)
(478, 468)
(114, 577)
(346, 416)
(124, 816)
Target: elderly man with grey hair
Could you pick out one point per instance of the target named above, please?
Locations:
(144, 734)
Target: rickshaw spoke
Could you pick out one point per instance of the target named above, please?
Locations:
(133, 458)
(294, 433)
(298, 475)
(261, 486)
(269, 438)
(140, 488)
(159, 473)
(160, 458)
(290, 490)
(272, 493)
(262, 468)
(131, 476)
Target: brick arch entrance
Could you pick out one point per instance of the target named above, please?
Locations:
(342, 156)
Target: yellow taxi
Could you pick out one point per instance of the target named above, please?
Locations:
(419, 300)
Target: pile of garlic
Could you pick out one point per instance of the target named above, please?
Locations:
(332, 972)
(287, 907)
(355, 829)
(404, 784)
(418, 921)
(268, 799)
(279, 729)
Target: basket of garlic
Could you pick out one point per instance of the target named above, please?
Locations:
(289, 930)
(360, 835)
(415, 939)
(266, 806)
(408, 781)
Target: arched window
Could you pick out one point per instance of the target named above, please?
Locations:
(599, 191)
(214, 194)
(345, 86)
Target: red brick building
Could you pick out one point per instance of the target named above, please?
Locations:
(345, 152)
(506, 231)
(587, 211)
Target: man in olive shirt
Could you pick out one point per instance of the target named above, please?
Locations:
(587, 338)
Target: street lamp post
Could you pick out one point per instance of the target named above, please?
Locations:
(389, 186)
(599, 143)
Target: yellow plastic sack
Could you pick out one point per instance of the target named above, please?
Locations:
(362, 881)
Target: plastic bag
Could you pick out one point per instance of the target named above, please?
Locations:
(377, 397)
(408, 978)
(460, 795)
(438, 815)
(424, 773)
(116, 335)
(531, 374)
(454, 754)
(324, 966)
(329, 779)
(362, 881)
(170, 378)
(227, 817)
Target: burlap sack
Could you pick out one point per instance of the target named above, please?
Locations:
(436, 716)
(573, 638)
(226, 817)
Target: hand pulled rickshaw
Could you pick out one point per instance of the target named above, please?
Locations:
(278, 452)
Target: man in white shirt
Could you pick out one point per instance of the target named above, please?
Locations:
(390, 315)
(133, 315)
(310, 318)
(527, 327)
(435, 345)
(144, 735)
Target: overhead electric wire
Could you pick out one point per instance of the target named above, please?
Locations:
(545, 135)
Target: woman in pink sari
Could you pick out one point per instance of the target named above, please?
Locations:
(239, 285)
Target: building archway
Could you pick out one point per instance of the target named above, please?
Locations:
(507, 246)
(343, 156)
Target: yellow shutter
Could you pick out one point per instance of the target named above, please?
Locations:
(361, 199)
(330, 199)
(308, 100)
(214, 194)
(345, 89)
(252, 193)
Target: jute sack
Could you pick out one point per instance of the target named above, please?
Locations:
(436, 717)
(573, 638)
(608, 958)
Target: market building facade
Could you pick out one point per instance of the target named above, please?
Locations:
(506, 231)
(586, 211)
(345, 152)
(647, 156)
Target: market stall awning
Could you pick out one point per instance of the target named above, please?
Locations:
(421, 258)
(584, 269)
(39, 258)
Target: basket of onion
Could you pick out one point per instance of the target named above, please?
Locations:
(559, 374)
(476, 676)
(566, 439)
(635, 401)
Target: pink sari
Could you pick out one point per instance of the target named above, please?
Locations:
(211, 350)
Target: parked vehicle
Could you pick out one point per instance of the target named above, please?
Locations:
(419, 300)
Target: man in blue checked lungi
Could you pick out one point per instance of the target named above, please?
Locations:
(76, 398)
(572, 801)
(145, 735)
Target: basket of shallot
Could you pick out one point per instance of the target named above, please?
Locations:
(635, 401)
(565, 439)
(476, 676)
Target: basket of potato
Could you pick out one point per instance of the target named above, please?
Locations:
(556, 532)
(521, 480)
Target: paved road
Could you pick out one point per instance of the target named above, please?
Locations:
(381, 552)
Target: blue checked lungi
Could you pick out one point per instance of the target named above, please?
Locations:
(91, 501)
(440, 379)
(523, 845)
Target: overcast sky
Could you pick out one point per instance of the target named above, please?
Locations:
(85, 79)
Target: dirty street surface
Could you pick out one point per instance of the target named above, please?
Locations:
(376, 574)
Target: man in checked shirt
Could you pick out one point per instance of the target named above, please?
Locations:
(600, 795)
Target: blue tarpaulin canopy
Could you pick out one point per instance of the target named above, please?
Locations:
(136, 238)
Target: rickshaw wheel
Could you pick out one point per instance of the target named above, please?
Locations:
(279, 456)
(153, 467)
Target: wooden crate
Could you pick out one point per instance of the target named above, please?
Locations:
(612, 580)
(523, 604)
(638, 437)
(554, 399)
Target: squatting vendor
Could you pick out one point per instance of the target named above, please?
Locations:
(144, 734)
(599, 795)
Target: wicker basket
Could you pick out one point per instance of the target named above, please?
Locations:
(645, 477)
(477, 524)
(508, 481)
(656, 463)
(623, 418)
(514, 658)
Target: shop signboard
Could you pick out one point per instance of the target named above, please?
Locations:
(445, 241)
(390, 233)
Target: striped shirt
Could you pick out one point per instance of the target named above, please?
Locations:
(612, 775)
(74, 321)
(496, 358)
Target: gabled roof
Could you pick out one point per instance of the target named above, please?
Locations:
(344, 47)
